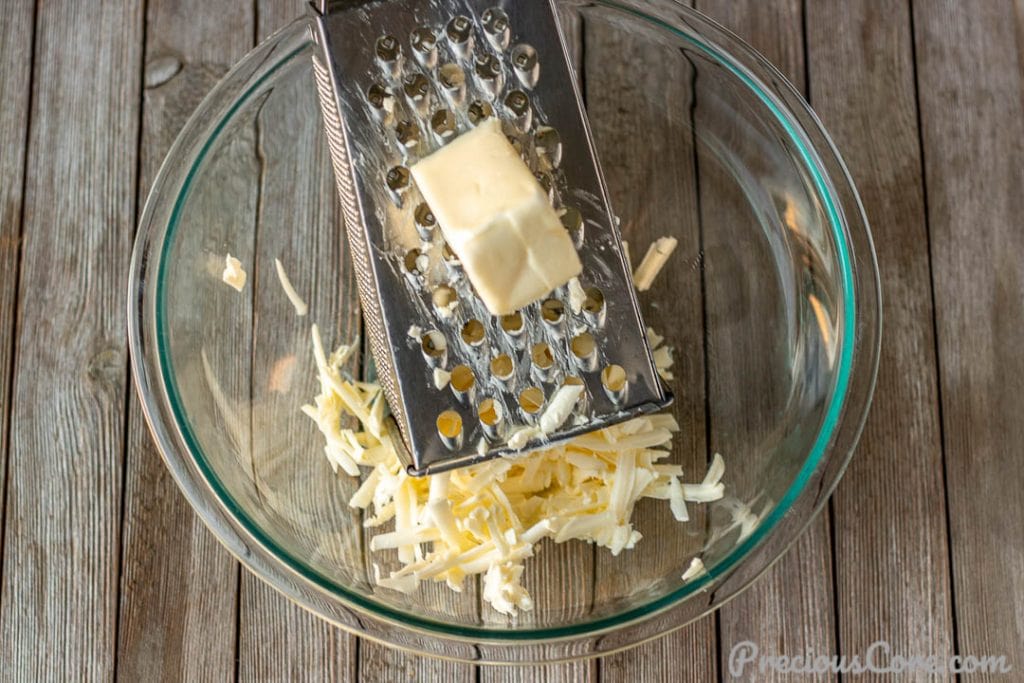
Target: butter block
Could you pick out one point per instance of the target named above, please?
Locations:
(497, 219)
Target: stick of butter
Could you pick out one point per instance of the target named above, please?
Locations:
(497, 219)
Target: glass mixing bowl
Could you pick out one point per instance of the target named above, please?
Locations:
(771, 302)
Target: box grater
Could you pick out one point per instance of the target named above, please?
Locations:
(397, 80)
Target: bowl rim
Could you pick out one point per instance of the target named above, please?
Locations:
(242, 536)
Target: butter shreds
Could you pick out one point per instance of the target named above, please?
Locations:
(655, 259)
(441, 378)
(663, 360)
(560, 407)
(576, 295)
(486, 519)
(286, 284)
(234, 274)
(695, 569)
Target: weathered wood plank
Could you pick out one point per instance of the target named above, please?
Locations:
(571, 672)
(971, 81)
(892, 561)
(793, 602)
(17, 27)
(59, 595)
(388, 664)
(281, 641)
(178, 586)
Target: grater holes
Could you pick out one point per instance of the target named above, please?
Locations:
(496, 27)
(389, 54)
(415, 263)
(479, 111)
(459, 32)
(572, 221)
(416, 87)
(584, 349)
(572, 381)
(594, 306)
(453, 82)
(425, 221)
(443, 125)
(517, 104)
(489, 75)
(449, 428)
(398, 181)
(490, 413)
(613, 379)
(381, 102)
(543, 360)
(462, 380)
(434, 347)
(445, 300)
(531, 400)
(503, 367)
(512, 324)
(526, 65)
(423, 40)
(552, 312)
(407, 133)
(548, 144)
(473, 332)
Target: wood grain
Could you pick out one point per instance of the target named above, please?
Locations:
(573, 672)
(17, 27)
(971, 83)
(635, 91)
(388, 664)
(892, 559)
(179, 587)
(794, 600)
(281, 641)
(69, 138)
(59, 592)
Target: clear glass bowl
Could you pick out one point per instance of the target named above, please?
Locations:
(771, 302)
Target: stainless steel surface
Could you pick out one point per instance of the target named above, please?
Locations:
(391, 96)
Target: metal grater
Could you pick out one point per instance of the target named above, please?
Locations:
(398, 79)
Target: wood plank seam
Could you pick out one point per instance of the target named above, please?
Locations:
(87, 408)
(935, 331)
(129, 387)
(705, 332)
(829, 511)
(8, 416)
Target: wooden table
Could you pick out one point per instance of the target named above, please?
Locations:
(107, 573)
